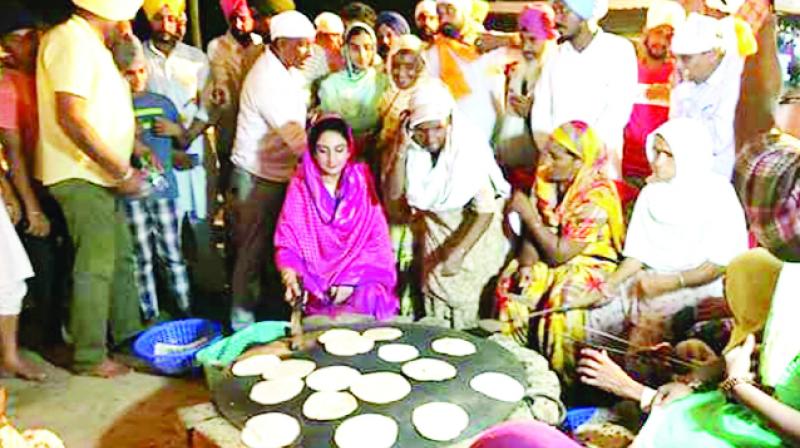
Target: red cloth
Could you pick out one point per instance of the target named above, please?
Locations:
(18, 106)
(645, 118)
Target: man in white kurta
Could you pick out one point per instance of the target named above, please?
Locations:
(592, 77)
(711, 69)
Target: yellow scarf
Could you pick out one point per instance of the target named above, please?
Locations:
(450, 70)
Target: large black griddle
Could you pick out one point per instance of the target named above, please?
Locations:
(232, 401)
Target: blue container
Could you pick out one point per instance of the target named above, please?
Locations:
(179, 341)
(577, 417)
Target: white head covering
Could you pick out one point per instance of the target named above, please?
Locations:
(427, 6)
(407, 42)
(692, 218)
(588, 9)
(329, 23)
(698, 34)
(665, 12)
(726, 6)
(116, 10)
(463, 7)
(465, 162)
(291, 25)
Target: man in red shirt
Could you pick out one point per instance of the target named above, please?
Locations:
(656, 68)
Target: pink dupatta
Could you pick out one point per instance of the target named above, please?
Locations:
(338, 241)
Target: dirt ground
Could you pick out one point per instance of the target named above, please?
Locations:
(135, 411)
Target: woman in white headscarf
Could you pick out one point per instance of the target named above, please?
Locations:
(687, 225)
(450, 178)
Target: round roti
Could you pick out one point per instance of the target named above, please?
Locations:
(498, 386)
(440, 421)
(336, 333)
(332, 379)
(349, 345)
(254, 365)
(366, 431)
(329, 405)
(453, 347)
(276, 391)
(429, 369)
(381, 387)
(290, 368)
(383, 334)
(397, 352)
(271, 430)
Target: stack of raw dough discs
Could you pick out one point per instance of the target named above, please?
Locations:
(440, 421)
(271, 430)
(367, 431)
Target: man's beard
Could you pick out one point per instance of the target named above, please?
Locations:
(451, 31)
(243, 38)
(165, 37)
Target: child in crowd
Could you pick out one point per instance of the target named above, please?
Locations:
(153, 218)
(15, 267)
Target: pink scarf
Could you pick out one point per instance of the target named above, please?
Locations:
(337, 241)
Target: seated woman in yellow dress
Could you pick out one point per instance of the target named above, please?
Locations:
(572, 240)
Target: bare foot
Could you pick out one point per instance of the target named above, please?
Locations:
(106, 369)
(597, 369)
(24, 369)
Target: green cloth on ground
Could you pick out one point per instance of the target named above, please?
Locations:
(104, 292)
(225, 351)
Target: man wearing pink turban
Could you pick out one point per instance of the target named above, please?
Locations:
(514, 145)
(231, 56)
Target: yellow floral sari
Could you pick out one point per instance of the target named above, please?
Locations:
(590, 212)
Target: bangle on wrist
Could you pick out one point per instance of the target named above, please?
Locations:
(681, 281)
(731, 382)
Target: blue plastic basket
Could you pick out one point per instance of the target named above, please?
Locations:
(178, 333)
(577, 417)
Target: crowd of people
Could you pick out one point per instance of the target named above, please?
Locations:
(590, 196)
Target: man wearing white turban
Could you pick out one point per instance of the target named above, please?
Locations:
(592, 77)
(87, 133)
(270, 137)
(711, 68)
(448, 174)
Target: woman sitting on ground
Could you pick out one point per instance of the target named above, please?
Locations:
(332, 240)
(572, 239)
(761, 293)
(687, 225)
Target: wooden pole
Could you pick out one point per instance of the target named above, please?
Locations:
(194, 14)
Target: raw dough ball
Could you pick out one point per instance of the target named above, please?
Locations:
(271, 430)
(290, 368)
(349, 345)
(429, 369)
(397, 352)
(332, 379)
(336, 333)
(381, 387)
(382, 334)
(498, 386)
(254, 365)
(276, 391)
(329, 405)
(453, 347)
(367, 431)
(440, 421)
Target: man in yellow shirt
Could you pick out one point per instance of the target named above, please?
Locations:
(87, 133)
